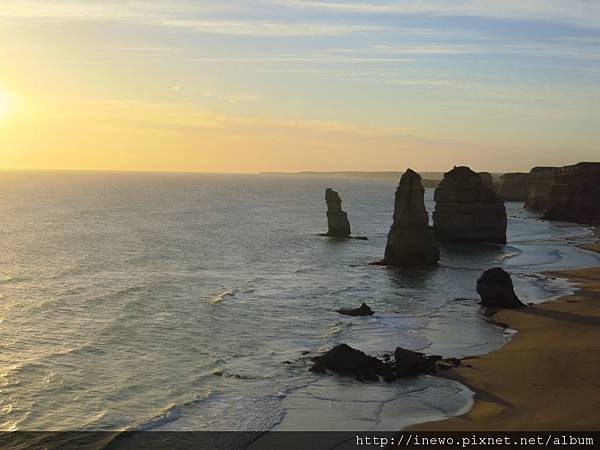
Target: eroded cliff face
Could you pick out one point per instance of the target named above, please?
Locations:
(514, 187)
(411, 242)
(540, 183)
(467, 209)
(337, 219)
(575, 194)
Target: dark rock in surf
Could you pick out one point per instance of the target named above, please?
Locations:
(409, 363)
(468, 210)
(347, 361)
(496, 289)
(364, 310)
(411, 242)
(337, 219)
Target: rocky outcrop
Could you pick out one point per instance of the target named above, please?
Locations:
(514, 187)
(364, 310)
(337, 220)
(411, 242)
(409, 363)
(468, 210)
(575, 194)
(540, 184)
(496, 289)
(487, 178)
(347, 361)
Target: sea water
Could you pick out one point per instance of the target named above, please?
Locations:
(192, 302)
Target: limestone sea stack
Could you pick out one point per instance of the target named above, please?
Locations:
(496, 289)
(411, 242)
(540, 183)
(575, 194)
(337, 220)
(514, 187)
(487, 179)
(467, 209)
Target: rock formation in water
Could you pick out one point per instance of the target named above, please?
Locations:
(347, 361)
(514, 187)
(468, 210)
(496, 289)
(337, 220)
(540, 183)
(575, 194)
(411, 242)
(364, 310)
(409, 363)
(487, 179)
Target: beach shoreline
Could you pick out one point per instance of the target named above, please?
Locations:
(545, 377)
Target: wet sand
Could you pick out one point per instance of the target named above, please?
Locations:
(548, 376)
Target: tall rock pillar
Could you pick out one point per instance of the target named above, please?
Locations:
(411, 242)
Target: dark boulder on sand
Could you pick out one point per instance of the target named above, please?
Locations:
(467, 209)
(347, 361)
(411, 242)
(337, 219)
(496, 289)
(364, 310)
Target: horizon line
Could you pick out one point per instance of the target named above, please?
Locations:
(262, 172)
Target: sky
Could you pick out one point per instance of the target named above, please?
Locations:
(290, 85)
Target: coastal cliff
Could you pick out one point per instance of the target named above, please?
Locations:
(337, 219)
(514, 187)
(467, 209)
(540, 183)
(411, 241)
(575, 194)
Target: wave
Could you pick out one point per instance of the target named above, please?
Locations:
(511, 252)
(169, 415)
(338, 327)
(221, 296)
(9, 279)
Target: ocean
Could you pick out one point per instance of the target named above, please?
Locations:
(133, 301)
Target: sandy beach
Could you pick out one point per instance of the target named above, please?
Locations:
(546, 377)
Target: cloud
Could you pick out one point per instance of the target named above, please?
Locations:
(583, 13)
(184, 15)
(231, 98)
(269, 28)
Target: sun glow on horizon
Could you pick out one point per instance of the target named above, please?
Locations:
(206, 86)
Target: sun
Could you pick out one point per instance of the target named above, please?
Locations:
(5, 104)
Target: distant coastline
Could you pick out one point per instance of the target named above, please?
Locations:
(359, 174)
(429, 179)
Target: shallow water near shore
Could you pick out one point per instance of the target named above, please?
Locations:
(192, 302)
